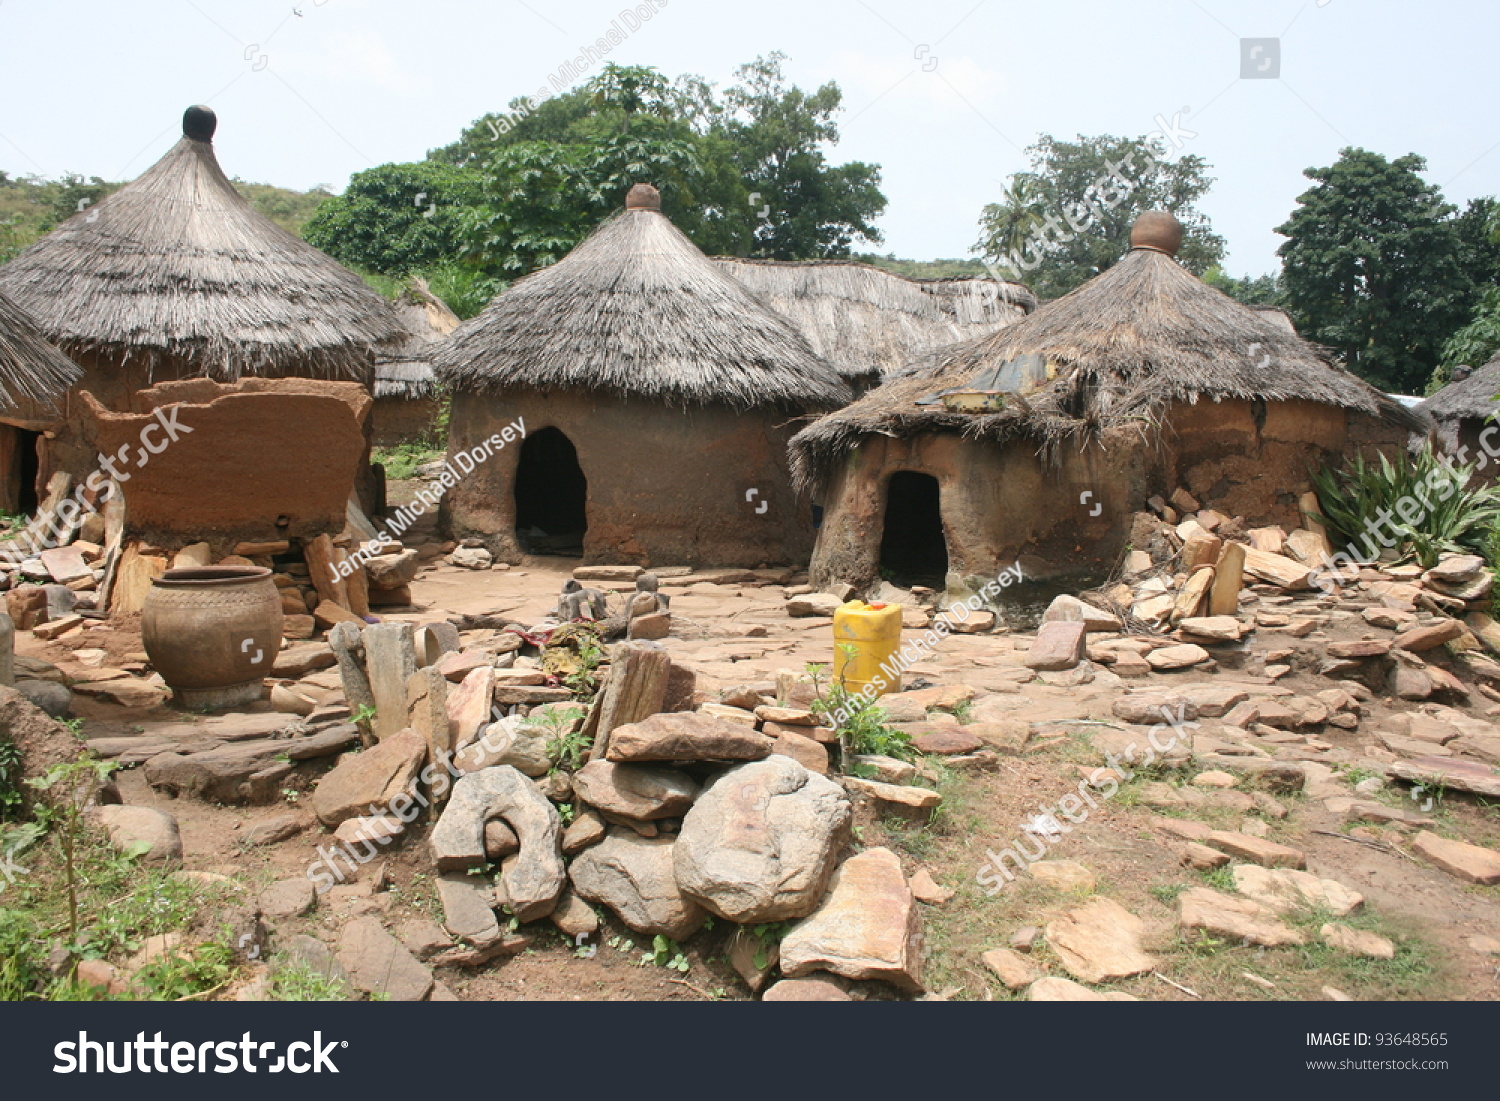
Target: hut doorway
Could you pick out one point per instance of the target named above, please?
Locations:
(19, 465)
(551, 495)
(913, 550)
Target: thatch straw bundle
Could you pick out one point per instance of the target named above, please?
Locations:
(637, 310)
(32, 371)
(178, 266)
(1131, 341)
(866, 321)
(405, 371)
(1471, 398)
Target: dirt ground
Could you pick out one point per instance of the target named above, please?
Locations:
(740, 633)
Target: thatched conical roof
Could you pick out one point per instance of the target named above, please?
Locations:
(1125, 345)
(405, 371)
(178, 266)
(867, 321)
(1470, 398)
(637, 310)
(33, 373)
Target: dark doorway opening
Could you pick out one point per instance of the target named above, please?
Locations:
(912, 549)
(19, 465)
(551, 496)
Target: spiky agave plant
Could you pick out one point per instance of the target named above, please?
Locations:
(1423, 499)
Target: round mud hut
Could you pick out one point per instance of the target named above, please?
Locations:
(1034, 445)
(175, 276)
(33, 377)
(1464, 412)
(869, 322)
(657, 397)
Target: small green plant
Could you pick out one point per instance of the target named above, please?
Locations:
(664, 952)
(566, 743)
(300, 982)
(12, 799)
(859, 721)
(768, 936)
(71, 783)
(963, 711)
(177, 975)
(590, 654)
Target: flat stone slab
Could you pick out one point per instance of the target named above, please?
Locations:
(1285, 890)
(374, 777)
(1013, 970)
(867, 926)
(1268, 854)
(468, 908)
(1238, 918)
(687, 736)
(638, 791)
(1459, 858)
(1100, 942)
(378, 964)
(288, 898)
(1057, 989)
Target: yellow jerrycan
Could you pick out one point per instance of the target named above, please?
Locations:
(865, 636)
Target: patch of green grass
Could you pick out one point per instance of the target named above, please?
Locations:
(301, 982)
(195, 972)
(401, 462)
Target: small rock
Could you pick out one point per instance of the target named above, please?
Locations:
(288, 898)
(1062, 875)
(810, 989)
(1238, 918)
(1357, 942)
(1011, 968)
(273, 830)
(1058, 645)
(1202, 858)
(1268, 854)
(377, 963)
(926, 889)
(151, 833)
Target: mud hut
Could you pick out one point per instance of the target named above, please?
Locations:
(406, 394)
(33, 377)
(868, 322)
(657, 397)
(1036, 444)
(1464, 412)
(175, 276)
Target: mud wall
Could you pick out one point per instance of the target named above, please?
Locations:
(666, 486)
(261, 459)
(1001, 503)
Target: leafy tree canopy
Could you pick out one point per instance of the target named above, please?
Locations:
(1376, 267)
(1069, 217)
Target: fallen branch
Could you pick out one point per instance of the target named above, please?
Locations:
(1177, 985)
(1378, 846)
(695, 989)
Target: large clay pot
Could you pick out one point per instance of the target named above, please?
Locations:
(213, 633)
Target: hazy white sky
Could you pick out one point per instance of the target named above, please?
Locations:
(943, 94)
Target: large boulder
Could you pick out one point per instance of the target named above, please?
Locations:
(867, 927)
(510, 742)
(640, 792)
(371, 778)
(687, 736)
(634, 877)
(537, 878)
(761, 841)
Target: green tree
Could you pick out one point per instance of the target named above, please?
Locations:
(1374, 267)
(707, 153)
(776, 134)
(396, 219)
(1069, 217)
(1252, 290)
